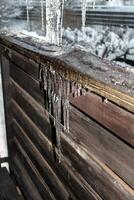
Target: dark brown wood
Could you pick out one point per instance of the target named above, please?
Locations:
(33, 172)
(61, 169)
(74, 66)
(111, 116)
(104, 181)
(26, 64)
(24, 180)
(114, 118)
(27, 82)
(97, 154)
(113, 152)
(43, 167)
(118, 160)
(105, 178)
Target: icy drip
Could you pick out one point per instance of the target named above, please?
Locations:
(42, 15)
(54, 20)
(27, 10)
(84, 9)
(94, 4)
(57, 90)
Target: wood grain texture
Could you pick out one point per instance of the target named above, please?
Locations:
(111, 116)
(97, 154)
(39, 182)
(112, 151)
(69, 67)
(100, 179)
(26, 184)
(70, 179)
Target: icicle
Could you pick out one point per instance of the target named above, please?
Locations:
(42, 15)
(67, 104)
(57, 90)
(94, 4)
(28, 18)
(84, 8)
(83, 91)
(54, 20)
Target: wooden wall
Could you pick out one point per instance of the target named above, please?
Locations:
(97, 155)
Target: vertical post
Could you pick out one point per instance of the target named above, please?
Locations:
(54, 21)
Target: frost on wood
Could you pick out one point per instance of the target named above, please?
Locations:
(54, 20)
(57, 90)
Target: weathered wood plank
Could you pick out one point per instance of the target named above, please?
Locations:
(26, 64)
(112, 151)
(111, 116)
(34, 110)
(104, 181)
(33, 172)
(27, 82)
(116, 119)
(108, 148)
(70, 178)
(43, 167)
(68, 65)
(27, 186)
(107, 176)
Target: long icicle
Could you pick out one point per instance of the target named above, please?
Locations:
(84, 9)
(42, 15)
(57, 90)
(54, 21)
(28, 17)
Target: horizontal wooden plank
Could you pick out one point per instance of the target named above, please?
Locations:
(70, 178)
(104, 181)
(111, 116)
(112, 151)
(27, 82)
(40, 184)
(41, 164)
(25, 183)
(68, 65)
(81, 164)
(116, 154)
(30, 106)
(114, 118)
(97, 174)
(26, 64)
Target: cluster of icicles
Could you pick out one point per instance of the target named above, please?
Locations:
(57, 91)
(54, 18)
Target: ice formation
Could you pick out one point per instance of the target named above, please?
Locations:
(84, 7)
(54, 20)
(42, 15)
(57, 90)
(27, 9)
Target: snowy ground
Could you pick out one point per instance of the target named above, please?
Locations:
(104, 43)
